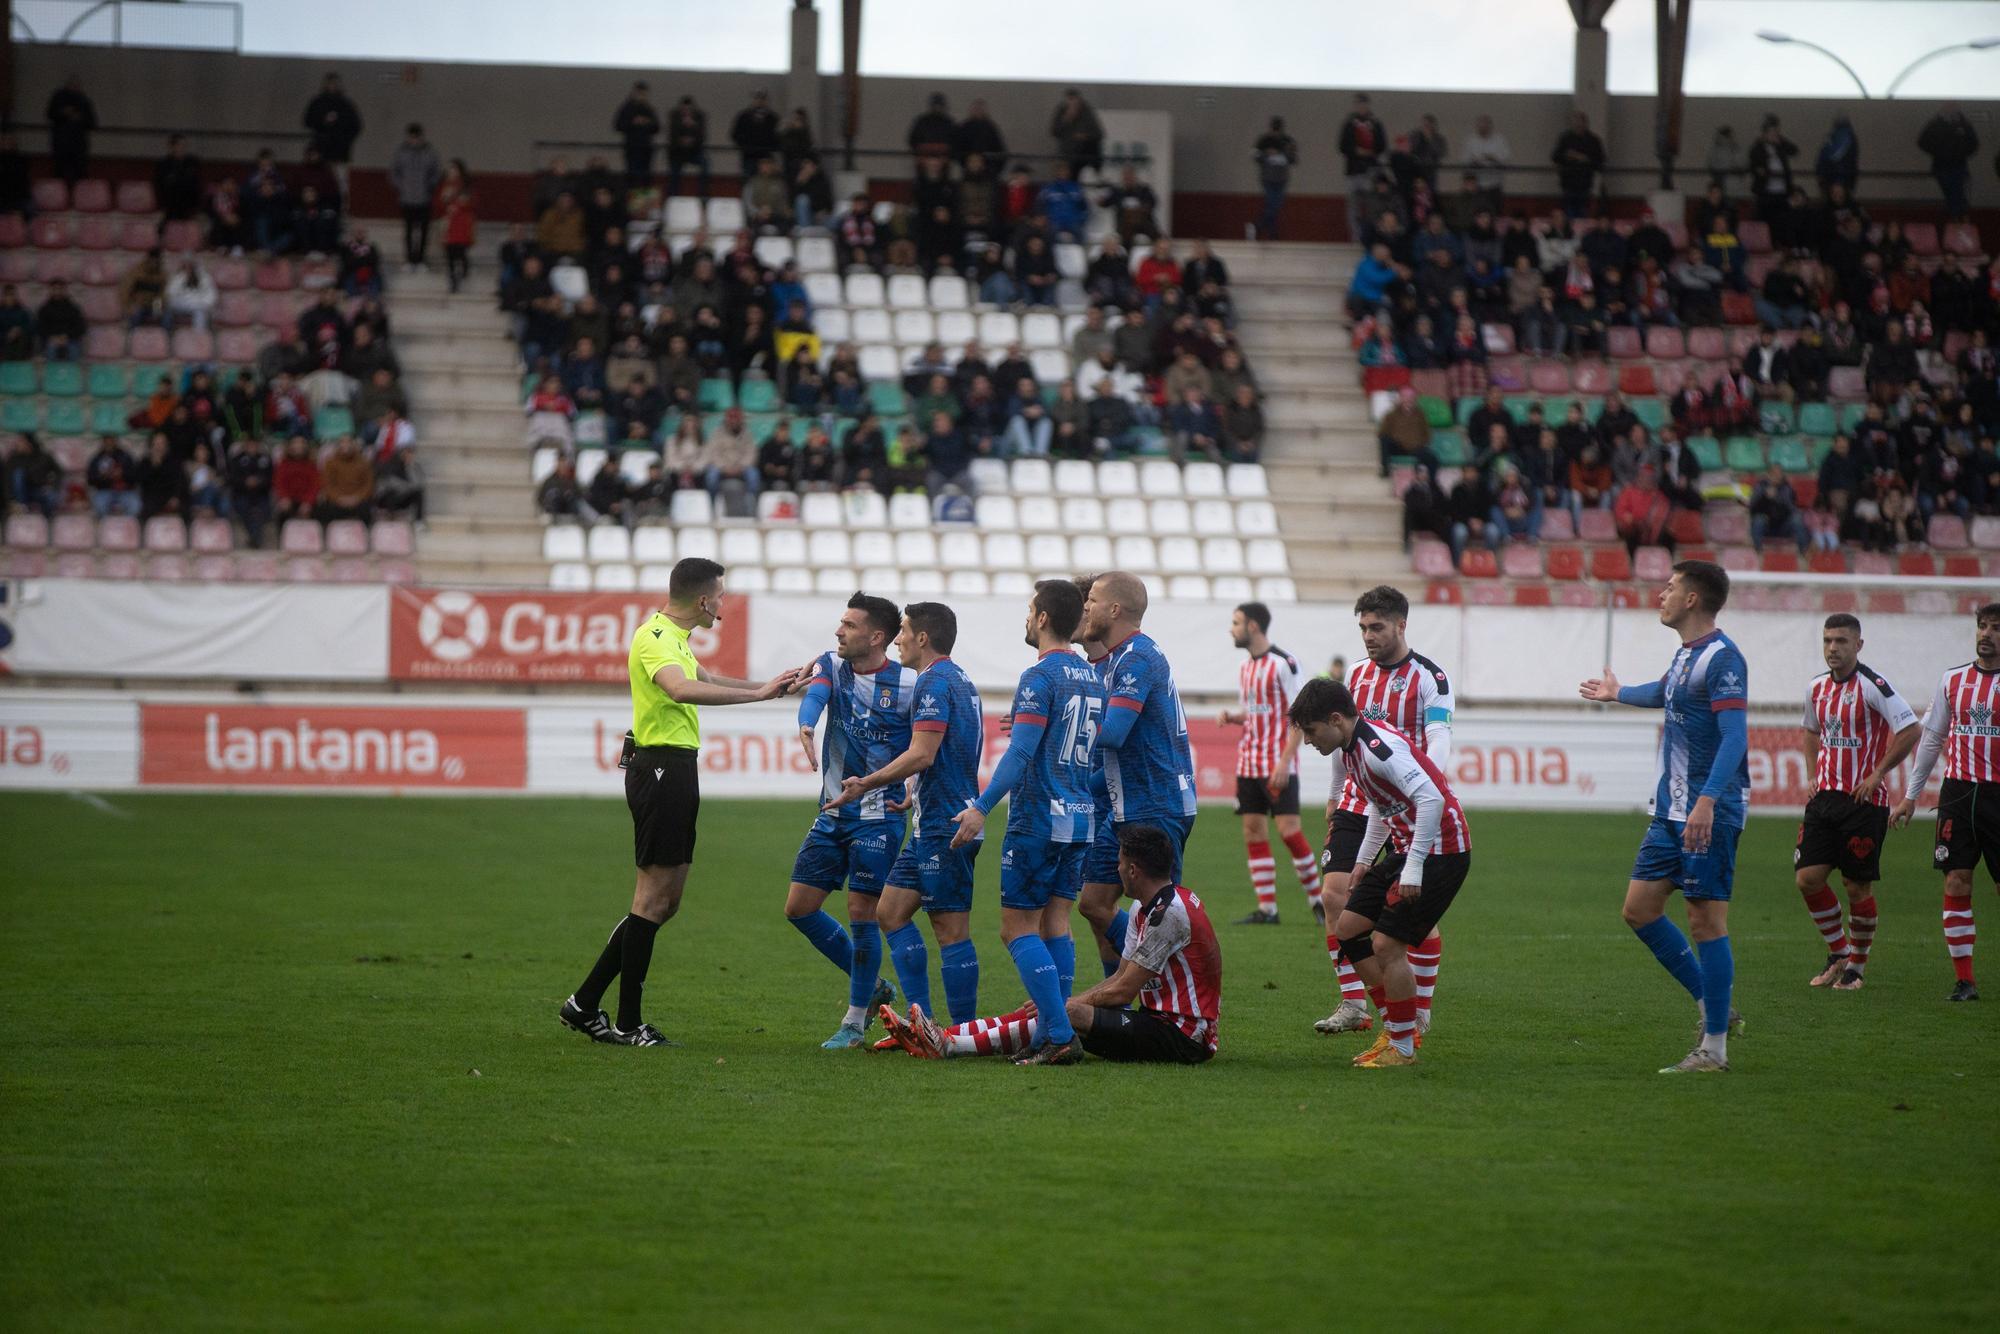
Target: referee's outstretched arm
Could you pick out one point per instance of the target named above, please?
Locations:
(704, 689)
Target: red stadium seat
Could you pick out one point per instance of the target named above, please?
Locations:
(1872, 563)
(1653, 565)
(1738, 308)
(1591, 377)
(1728, 525)
(17, 264)
(236, 310)
(166, 532)
(351, 570)
(1440, 593)
(1685, 527)
(1521, 560)
(50, 195)
(1610, 565)
(1532, 595)
(73, 532)
(50, 233)
(1669, 376)
(236, 347)
(1565, 563)
(27, 531)
(388, 538)
(215, 568)
(1622, 343)
(120, 565)
(1962, 566)
(1846, 382)
(193, 345)
(149, 344)
(1779, 560)
(137, 197)
(301, 537)
(231, 275)
(256, 567)
(1706, 344)
(1557, 526)
(73, 565)
(347, 537)
(181, 237)
(116, 532)
(92, 196)
(104, 342)
(1487, 593)
(1432, 383)
(98, 271)
(1665, 344)
(1947, 533)
(1841, 599)
(1923, 238)
(1627, 597)
(1739, 559)
(1499, 339)
(1827, 562)
(97, 234)
(137, 235)
(305, 570)
(24, 565)
(167, 568)
(1755, 235)
(1548, 377)
(1636, 381)
(1962, 238)
(1508, 372)
(274, 275)
(1575, 595)
(65, 266)
(397, 572)
(1597, 525)
(278, 311)
(1431, 558)
(1916, 565)
(13, 232)
(1479, 563)
(1885, 602)
(210, 535)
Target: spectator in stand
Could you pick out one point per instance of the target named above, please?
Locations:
(1785, 300)
(979, 133)
(1641, 512)
(415, 173)
(161, 480)
(767, 199)
(931, 130)
(1157, 272)
(16, 195)
(142, 294)
(285, 407)
(946, 458)
(34, 480)
(637, 122)
(795, 143)
(1035, 275)
(755, 132)
(1774, 511)
(177, 181)
(315, 227)
(399, 483)
(228, 228)
(1892, 364)
(71, 117)
(859, 245)
(456, 208)
(347, 484)
(360, 272)
(1768, 366)
(1700, 285)
(1726, 158)
(1275, 154)
(248, 473)
(560, 496)
(334, 123)
(60, 326)
(1112, 423)
(1579, 156)
(687, 145)
(560, 229)
(191, 295)
(109, 478)
(1243, 426)
(1951, 142)
(17, 326)
(777, 456)
(1771, 171)
(1839, 161)
(1064, 203)
(207, 494)
(1133, 205)
(1196, 427)
(605, 496)
(1078, 134)
(267, 203)
(732, 457)
(1489, 155)
(1404, 429)
(812, 194)
(1364, 143)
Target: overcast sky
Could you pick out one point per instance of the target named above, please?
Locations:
(1473, 45)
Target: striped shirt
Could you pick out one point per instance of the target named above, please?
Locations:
(1391, 775)
(1171, 936)
(1414, 697)
(1854, 720)
(867, 725)
(1965, 720)
(1266, 684)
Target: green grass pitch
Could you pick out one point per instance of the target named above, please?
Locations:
(293, 1062)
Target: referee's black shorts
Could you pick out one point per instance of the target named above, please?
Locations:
(663, 790)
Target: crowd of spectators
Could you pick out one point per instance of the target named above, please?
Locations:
(1452, 288)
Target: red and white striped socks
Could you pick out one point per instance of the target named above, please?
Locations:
(1825, 909)
(1959, 935)
(1304, 861)
(1424, 967)
(1402, 1025)
(1860, 931)
(1263, 876)
(1343, 971)
(1004, 1036)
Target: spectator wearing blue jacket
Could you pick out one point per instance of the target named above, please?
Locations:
(1839, 157)
(1065, 204)
(1372, 277)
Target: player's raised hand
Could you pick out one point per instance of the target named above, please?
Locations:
(1600, 689)
(1900, 813)
(851, 789)
(777, 686)
(971, 823)
(897, 806)
(806, 744)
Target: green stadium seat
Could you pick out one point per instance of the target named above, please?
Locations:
(758, 396)
(109, 380)
(17, 379)
(1437, 411)
(1743, 453)
(20, 414)
(529, 383)
(1518, 405)
(716, 396)
(109, 417)
(65, 417)
(1777, 417)
(1555, 411)
(763, 424)
(1449, 446)
(1789, 453)
(1467, 405)
(1816, 419)
(1651, 411)
(842, 428)
(1707, 451)
(1851, 415)
(331, 421)
(886, 397)
(62, 379)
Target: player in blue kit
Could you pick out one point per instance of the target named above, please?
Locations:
(1699, 804)
(1057, 711)
(1148, 764)
(947, 735)
(866, 700)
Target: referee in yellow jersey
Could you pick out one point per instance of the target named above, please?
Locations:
(662, 788)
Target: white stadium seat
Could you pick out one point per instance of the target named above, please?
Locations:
(874, 547)
(1222, 555)
(948, 292)
(1247, 482)
(915, 326)
(1041, 329)
(825, 291)
(1202, 479)
(1159, 477)
(821, 509)
(1188, 588)
(1266, 555)
(1230, 588)
(1117, 477)
(960, 551)
(1214, 518)
(653, 544)
(570, 281)
(968, 584)
(1050, 364)
(1048, 553)
(1030, 477)
(562, 542)
(1092, 551)
(749, 579)
(610, 543)
(1170, 518)
(1137, 555)
(872, 326)
(742, 546)
(1277, 588)
(725, 215)
(543, 464)
(569, 576)
(777, 506)
(906, 291)
(1005, 551)
(1070, 260)
(773, 251)
(835, 581)
(1180, 555)
(865, 289)
(995, 513)
(923, 583)
(917, 551)
(1012, 583)
(633, 463)
(997, 328)
(878, 362)
(865, 509)
(588, 461)
(956, 328)
(683, 214)
(1083, 514)
(1074, 477)
(690, 507)
(696, 543)
(989, 477)
(659, 578)
(791, 579)
(828, 546)
(884, 581)
(1039, 514)
(615, 578)
(1127, 514)
(907, 509)
(1256, 518)
(816, 255)
(784, 546)
(832, 325)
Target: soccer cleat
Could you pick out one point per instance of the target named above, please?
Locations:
(898, 1030)
(1052, 1053)
(1737, 1023)
(594, 1025)
(844, 1037)
(1423, 1024)
(1319, 912)
(1836, 965)
(888, 1044)
(645, 1035)
(1350, 1016)
(1850, 980)
(1369, 1053)
(1388, 1057)
(1262, 917)
(884, 995)
(924, 1039)
(1698, 1062)
(1963, 990)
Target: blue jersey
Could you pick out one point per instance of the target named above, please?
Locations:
(867, 725)
(1051, 800)
(1150, 776)
(947, 703)
(1706, 679)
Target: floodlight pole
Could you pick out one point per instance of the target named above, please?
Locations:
(1977, 44)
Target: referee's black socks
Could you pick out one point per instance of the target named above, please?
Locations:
(590, 995)
(636, 934)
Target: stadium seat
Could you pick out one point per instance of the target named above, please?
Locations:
(1738, 560)
(1985, 532)
(1188, 588)
(562, 542)
(1092, 551)
(960, 550)
(833, 547)
(1225, 555)
(1557, 526)
(1596, 525)
(1230, 588)
(1962, 238)
(1159, 478)
(1039, 514)
(1034, 477)
(1128, 514)
(1623, 343)
(1430, 557)
(1947, 533)
(1140, 554)
(1743, 453)
(1117, 477)
(919, 550)
(1521, 560)
(825, 292)
(1591, 377)
(956, 328)
(690, 507)
(913, 327)
(908, 510)
(740, 546)
(27, 531)
(1544, 377)
(998, 328)
(782, 547)
(569, 576)
(1203, 479)
(1176, 555)
(1246, 481)
(1664, 343)
(619, 577)
(652, 544)
(725, 215)
(1728, 524)
(1005, 551)
(906, 291)
(347, 537)
(924, 584)
(1041, 330)
(1048, 554)
(1846, 382)
(821, 509)
(791, 579)
(1214, 518)
(1636, 382)
(1778, 560)
(1478, 562)
(1565, 563)
(864, 289)
(147, 344)
(948, 292)
(1610, 565)
(1263, 555)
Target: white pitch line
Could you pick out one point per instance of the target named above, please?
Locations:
(99, 804)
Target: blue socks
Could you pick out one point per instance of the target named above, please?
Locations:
(1718, 973)
(913, 964)
(1038, 975)
(1063, 950)
(960, 965)
(867, 966)
(1115, 934)
(1671, 948)
(828, 937)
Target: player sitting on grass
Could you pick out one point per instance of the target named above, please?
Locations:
(867, 701)
(1395, 904)
(1172, 968)
(947, 734)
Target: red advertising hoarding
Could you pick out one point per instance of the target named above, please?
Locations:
(275, 745)
(517, 638)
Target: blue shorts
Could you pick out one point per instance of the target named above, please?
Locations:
(1101, 866)
(1034, 870)
(941, 874)
(1698, 875)
(858, 855)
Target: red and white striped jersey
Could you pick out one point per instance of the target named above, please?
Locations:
(1412, 696)
(1266, 683)
(1171, 936)
(1965, 715)
(1854, 720)
(1390, 774)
